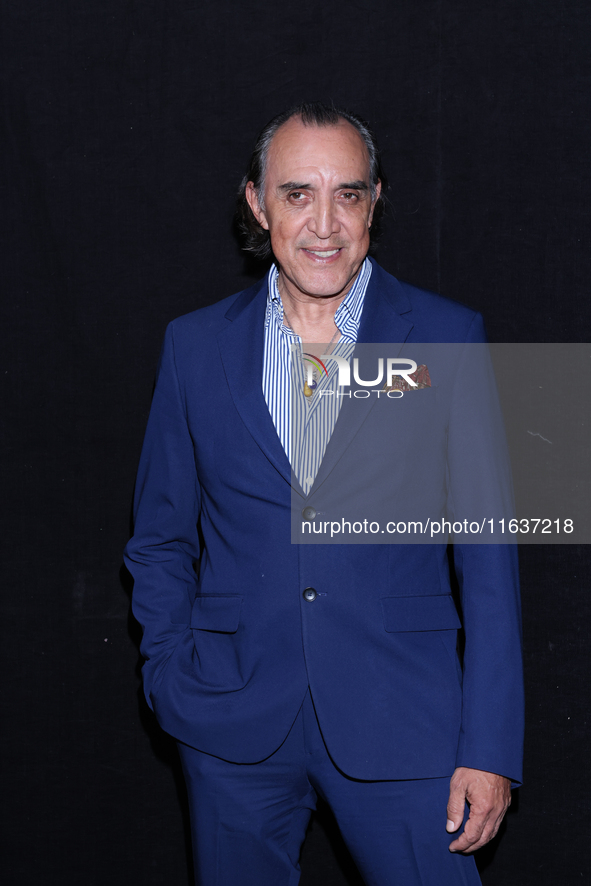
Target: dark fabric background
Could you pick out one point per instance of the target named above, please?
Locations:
(126, 128)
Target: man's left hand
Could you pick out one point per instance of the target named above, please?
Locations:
(489, 797)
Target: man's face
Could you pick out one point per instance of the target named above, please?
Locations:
(317, 206)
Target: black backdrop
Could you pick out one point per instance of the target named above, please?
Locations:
(126, 128)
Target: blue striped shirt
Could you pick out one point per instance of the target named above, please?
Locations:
(305, 424)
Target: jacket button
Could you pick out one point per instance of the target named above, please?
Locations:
(309, 595)
(308, 514)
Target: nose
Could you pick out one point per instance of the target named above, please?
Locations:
(324, 221)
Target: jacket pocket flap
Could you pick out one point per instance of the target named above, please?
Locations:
(435, 612)
(216, 612)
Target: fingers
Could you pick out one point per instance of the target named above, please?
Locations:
(489, 796)
(456, 803)
(479, 829)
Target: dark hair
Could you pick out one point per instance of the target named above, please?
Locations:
(256, 239)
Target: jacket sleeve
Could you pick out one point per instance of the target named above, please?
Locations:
(491, 735)
(163, 553)
(481, 489)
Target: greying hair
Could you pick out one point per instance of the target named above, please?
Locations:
(256, 239)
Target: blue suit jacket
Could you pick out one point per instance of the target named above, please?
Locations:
(231, 645)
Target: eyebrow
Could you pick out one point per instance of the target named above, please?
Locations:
(294, 186)
(304, 186)
(354, 186)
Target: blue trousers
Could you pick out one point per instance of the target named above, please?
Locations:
(248, 821)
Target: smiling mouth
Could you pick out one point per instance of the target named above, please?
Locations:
(323, 253)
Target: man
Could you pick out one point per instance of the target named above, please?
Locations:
(291, 670)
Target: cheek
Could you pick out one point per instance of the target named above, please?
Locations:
(356, 224)
(359, 234)
(284, 234)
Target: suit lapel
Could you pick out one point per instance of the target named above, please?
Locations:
(241, 346)
(383, 321)
(386, 306)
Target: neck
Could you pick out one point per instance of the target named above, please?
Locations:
(310, 317)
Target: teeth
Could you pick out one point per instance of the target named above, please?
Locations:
(323, 254)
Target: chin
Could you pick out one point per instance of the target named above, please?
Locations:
(328, 284)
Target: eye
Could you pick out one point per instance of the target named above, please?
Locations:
(350, 196)
(296, 196)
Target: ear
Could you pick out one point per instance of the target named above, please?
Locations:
(253, 202)
(373, 203)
